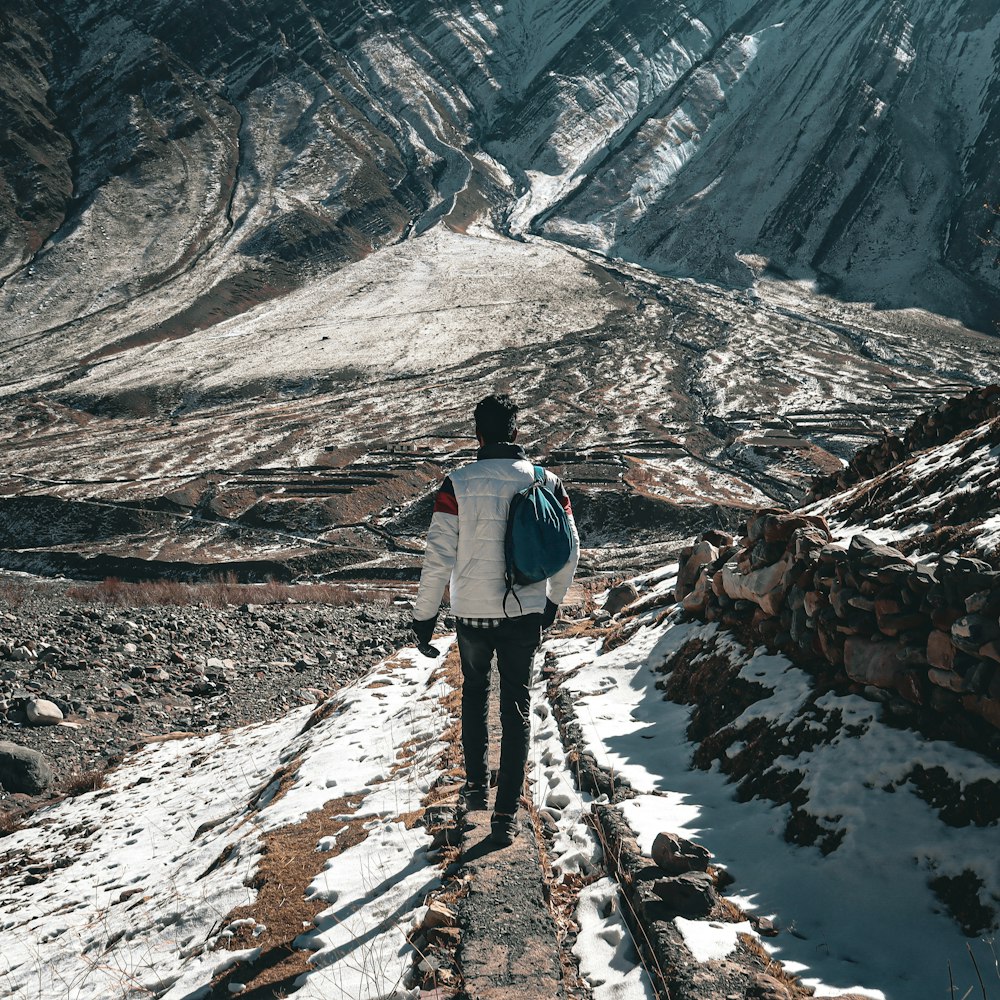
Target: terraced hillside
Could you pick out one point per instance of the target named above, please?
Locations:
(304, 241)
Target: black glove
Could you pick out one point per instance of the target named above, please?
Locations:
(424, 631)
(549, 614)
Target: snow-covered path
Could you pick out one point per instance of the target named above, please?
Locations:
(143, 887)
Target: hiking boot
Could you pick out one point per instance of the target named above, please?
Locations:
(504, 828)
(472, 797)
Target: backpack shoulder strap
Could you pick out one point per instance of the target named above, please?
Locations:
(539, 475)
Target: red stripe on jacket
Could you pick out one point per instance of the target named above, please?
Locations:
(446, 502)
(563, 497)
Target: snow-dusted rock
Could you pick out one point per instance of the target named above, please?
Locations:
(677, 855)
(701, 554)
(620, 597)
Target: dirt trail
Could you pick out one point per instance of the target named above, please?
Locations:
(510, 945)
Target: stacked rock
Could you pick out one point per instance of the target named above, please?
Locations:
(929, 429)
(929, 633)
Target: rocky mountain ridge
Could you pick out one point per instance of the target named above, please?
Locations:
(256, 275)
(218, 168)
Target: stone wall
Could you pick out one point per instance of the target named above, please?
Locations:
(923, 638)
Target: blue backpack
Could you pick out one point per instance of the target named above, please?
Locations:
(538, 541)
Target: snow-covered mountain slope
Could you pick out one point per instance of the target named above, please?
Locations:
(336, 224)
(159, 176)
(305, 435)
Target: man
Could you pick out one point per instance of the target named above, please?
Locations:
(465, 548)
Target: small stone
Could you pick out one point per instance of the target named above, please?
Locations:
(677, 855)
(439, 915)
(42, 712)
(620, 597)
(429, 963)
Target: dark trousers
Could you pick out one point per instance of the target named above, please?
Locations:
(514, 641)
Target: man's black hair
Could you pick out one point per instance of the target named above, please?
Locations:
(496, 418)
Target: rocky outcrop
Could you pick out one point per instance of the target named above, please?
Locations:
(933, 427)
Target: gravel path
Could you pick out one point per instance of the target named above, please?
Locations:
(122, 674)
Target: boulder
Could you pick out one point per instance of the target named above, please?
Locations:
(720, 539)
(947, 679)
(701, 554)
(840, 597)
(870, 662)
(970, 632)
(676, 855)
(765, 987)
(863, 551)
(689, 895)
(940, 650)
(985, 708)
(23, 769)
(781, 527)
(42, 712)
(696, 600)
(757, 521)
(765, 587)
(895, 574)
(813, 601)
(991, 651)
(620, 597)
(910, 686)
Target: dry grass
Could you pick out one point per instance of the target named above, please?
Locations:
(286, 869)
(12, 593)
(85, 781)
(11, 820)
(219, 593)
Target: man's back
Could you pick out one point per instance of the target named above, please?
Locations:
(465, 544)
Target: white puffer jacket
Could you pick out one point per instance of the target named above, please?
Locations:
(465, 543)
